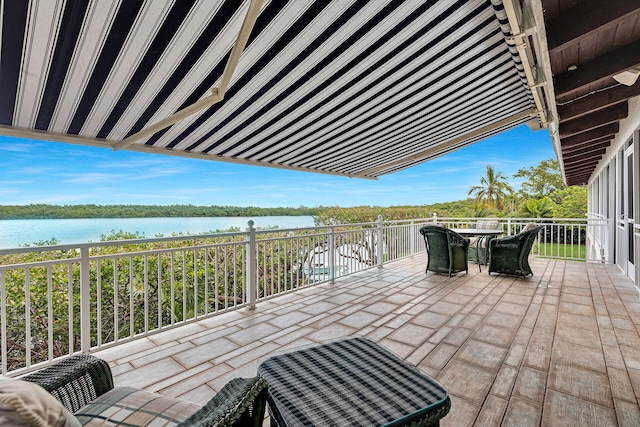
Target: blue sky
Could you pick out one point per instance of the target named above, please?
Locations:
(65, 174)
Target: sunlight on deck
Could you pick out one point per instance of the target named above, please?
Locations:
(559, 348)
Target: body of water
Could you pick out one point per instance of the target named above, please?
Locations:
(15, 233)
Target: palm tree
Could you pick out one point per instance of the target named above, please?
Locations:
(493, 190)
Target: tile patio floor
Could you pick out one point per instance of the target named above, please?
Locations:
(560, 348)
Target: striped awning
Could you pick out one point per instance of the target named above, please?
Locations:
(357, 88)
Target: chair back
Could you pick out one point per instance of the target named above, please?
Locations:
(528, 236)
(486, 224)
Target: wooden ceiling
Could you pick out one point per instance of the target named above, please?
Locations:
(589, 42)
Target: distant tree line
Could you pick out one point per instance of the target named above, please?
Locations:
(42, 211)
(360, 214)
(543, 194)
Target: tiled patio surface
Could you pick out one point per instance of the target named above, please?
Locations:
(560, 348)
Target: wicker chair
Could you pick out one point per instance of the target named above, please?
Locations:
(84, 385)
(510, 255)
(447, 250)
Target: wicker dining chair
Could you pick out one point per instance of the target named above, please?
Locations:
(447, 251)
(510, 255)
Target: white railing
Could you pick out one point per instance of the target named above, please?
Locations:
(60, 300)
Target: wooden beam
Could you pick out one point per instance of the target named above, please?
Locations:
(585, 154)
(601, 132)
(585, 164)
(594, 120)
(603, 67)
(587, 150)
(583, 177)
(580, 162)
(597, 101)
(584, 174)
(586, 159)
(584, 171)
(581, 180)
(586, 145)
(582, 168)
(585, 19)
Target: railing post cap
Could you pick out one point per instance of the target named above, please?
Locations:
(250, 223)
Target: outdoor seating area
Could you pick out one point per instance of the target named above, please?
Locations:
(559, 348)
(83, 384)
(448, 251)
(339, 323)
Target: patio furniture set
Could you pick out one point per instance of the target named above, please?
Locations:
(448, 249)
(351, 382)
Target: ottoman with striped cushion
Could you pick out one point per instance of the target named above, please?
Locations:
(353, 382)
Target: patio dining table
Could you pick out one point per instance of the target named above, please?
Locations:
(484, 234)
(350, 382)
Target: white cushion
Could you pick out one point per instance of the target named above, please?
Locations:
(23, 403)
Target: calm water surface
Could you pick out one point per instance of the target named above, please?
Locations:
(15, 233)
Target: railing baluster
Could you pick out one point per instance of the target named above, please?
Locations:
(146, 292)
(173, 287)
(195, 285)
(160, 301)
(252, 271)
(184, 285)
(206, 280)
(332, 255)
(235, 275)
(27, 316)
(286, 272)
(226, 276)
(379, 243)
(216, 281)
(271, 281)
(131, 291)
(3, 321)
(50, 316)
(116, 305)
(70, 308)
(99, 303)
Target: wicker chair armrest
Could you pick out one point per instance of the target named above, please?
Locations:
(515, 240)
(241, 402)
(460, 241)
(75, 381)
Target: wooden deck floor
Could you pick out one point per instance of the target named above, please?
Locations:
(560, 348)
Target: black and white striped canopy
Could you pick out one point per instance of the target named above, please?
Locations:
(358, 88)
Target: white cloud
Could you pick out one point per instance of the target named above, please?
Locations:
(91, 178)
(52, 199)
(16, 148)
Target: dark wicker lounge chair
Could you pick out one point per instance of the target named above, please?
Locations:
(447, 250)
(510, 255)
(84, 385)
